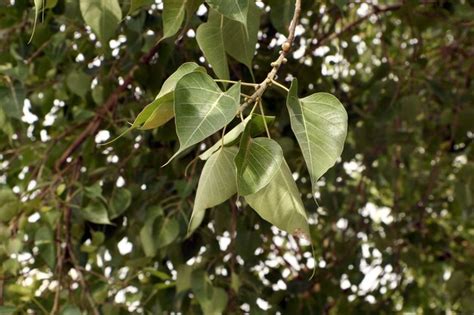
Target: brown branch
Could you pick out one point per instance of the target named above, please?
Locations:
(109, 106)
(377, 10)
(277, 63)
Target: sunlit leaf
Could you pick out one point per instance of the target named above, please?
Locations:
(216, 184)
(319, 122)
(103, 16)
(202, 108)
(232, 9)
(280, 203)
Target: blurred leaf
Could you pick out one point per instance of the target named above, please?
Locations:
(103, 17)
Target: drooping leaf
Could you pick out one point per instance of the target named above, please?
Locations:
(137, 4)
(233, 9)
(148, 233)
(103, 16)
(160, 111)
(210, 39)
(216, 184)
(281, 13)
(174, 12)
(280, 203)
(257, 162)
(213, 300)
(95, 212)
(240, 40)
(38, 6)
(319, 122)
(44, 239)
(120, 201)
(168, 232)
(202, 108)
(9, 205)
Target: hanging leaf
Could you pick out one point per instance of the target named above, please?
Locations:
(280, 203)
(281, 13)
(137, 4)
(319, 123)
(120, 201)
(210, 39)
(9, 205)
(240, 40)
(168, 232)
(95, 212)
(38, 6)
(257, 162)
(213, 300)
(201, 108)
(233, 9)
(160, 111)
(44, 239)
(258, 126)
(174, 12)
(216, 184)
(148, 233)
(103, 16)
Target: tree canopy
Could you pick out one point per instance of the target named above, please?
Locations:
(236, 156)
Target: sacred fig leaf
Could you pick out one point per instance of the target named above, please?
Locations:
(44, 239)
(102, 16)
(280, 203)
(258, 126)
(9, 205)
(233, 9)
(160, 111)
(216, 184)
(240, 40)
(202, 108)
(119, 202)
(95, 212)
(210, 39)
(319, 122)
(174, 12)
(257, 162)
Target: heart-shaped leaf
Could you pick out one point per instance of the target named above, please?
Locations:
(280, 203)
(319, 123)
(257, 162)
(216, 184)
(201, 108)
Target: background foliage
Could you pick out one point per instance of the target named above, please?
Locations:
(102, 229)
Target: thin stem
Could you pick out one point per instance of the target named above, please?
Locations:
(264, 120)
(281, 86)
(231, 81)
(223, 134)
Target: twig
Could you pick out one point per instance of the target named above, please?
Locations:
(277, 63)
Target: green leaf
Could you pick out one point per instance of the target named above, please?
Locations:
(120, 201)
(38, 6)
(281, 13)
(319, 123)
(280, 203)
(216, 184)
(9, 205)
(44, 239)
(240, 40)
(79, 83)
(7, 310)
(103, 16)
(95, 212)
(161, 109)
(183, 279)
(258, 126)
(11, 100)
(233, 9)
(210, 39)
(137, 4)
(201, 108)
(257, 162)
(168, 232)
(174, 12)
(213, 300)
(70, 310)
